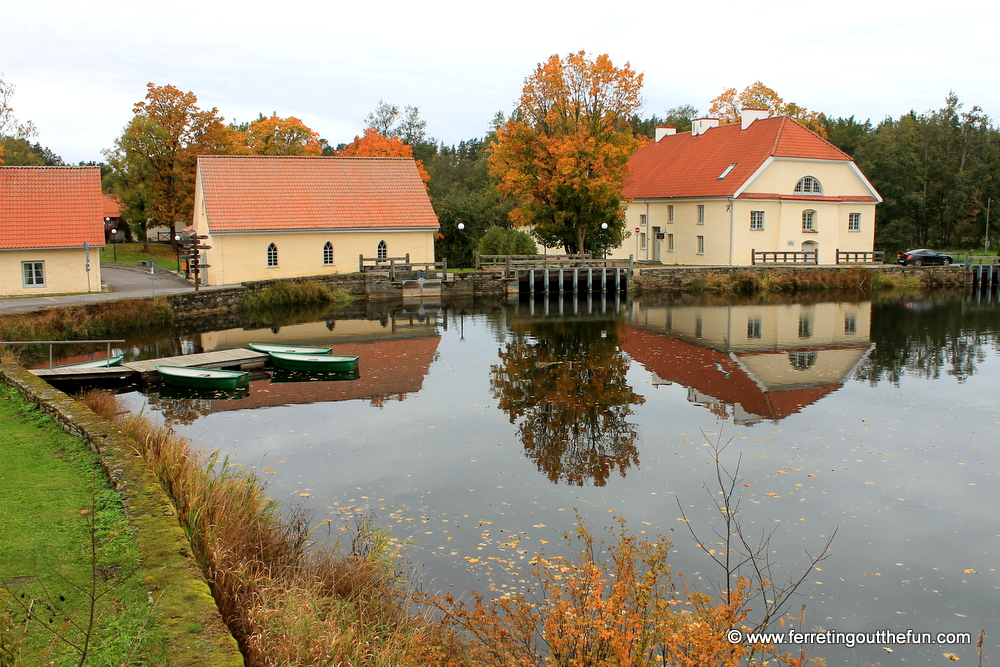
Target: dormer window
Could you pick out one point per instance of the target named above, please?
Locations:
(809, 185)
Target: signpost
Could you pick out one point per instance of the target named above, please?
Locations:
(192, 253)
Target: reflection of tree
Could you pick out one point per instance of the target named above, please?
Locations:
(566, 383)
(179, 410)
(926, 338)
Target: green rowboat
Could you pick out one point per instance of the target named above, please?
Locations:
(324, 363)
(206, 378)
(268, 348)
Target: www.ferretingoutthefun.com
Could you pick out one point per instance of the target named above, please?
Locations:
(849, 639)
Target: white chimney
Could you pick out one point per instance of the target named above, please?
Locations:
(747, 116)
(665, 132)
(702, 125)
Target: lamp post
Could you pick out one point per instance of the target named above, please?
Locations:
(114, 236)
(604, 225)
(461, 243)
(177, 250)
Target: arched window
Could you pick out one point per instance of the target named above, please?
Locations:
(328, 253)
(809, 185)
(809, 221)
(272, 255)
(383, 250)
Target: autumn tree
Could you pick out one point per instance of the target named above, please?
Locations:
(727, 107)
(564, 152)
(405, 125)
(155, 158)
(13, 133)
(374, 144)
(274, 135)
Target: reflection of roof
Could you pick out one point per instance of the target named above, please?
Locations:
(716, 374)
(50, 207)
(389, 369)
(257, 192)
(683, 165)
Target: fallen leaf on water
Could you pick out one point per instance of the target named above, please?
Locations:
(951, 656)
(971, 571)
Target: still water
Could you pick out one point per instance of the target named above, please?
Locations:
(478, 433)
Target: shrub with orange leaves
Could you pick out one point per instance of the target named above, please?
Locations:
(607, 605)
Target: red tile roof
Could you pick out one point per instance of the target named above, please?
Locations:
(50, 207)
(277, 192)
(110, 207)
(682, 165)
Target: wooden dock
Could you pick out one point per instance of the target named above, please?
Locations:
(146, 369)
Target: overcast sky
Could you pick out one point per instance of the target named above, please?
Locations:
(79, 66)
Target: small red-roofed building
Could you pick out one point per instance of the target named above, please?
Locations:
(50, 230)
(269, 217)
(715, 194)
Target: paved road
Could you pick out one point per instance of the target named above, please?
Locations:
(127, 282)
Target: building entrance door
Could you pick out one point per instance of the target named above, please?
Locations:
(656, 244)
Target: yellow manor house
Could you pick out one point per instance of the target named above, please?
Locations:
(51, 227)
(282, 217)
(715, 194)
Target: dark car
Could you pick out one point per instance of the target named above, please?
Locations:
(923, 257)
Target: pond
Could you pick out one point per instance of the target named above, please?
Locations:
(479, 433)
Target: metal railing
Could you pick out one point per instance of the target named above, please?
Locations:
(50, 343)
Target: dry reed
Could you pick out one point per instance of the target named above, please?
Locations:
(286, 600)
(85, 321)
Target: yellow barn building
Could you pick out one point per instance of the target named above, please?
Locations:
(51, 227)
(272, 217)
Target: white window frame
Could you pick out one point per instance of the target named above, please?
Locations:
(642, 240)
(701, 214)
(809, 220)
(701, 245)
(670, 213)
(272, 255)
(756, 220)
(327, 254)
(382, 252)
(854, 222)
(809, 185)
(642, 219)
(670, 242)
(33, 274)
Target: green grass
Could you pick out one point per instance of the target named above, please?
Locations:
(132, 253)
(65, 542)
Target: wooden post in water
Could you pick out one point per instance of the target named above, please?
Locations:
(546, 286)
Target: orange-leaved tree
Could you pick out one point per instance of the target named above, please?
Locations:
(727, 107)
(564, 152)
(374, 144)
(154, 160)
(275, 136)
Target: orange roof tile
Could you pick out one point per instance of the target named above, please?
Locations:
(249, 193)
(110, 207)
(682, 165)
(50, 207)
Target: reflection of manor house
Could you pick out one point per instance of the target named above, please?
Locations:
(390, 369)
(753, 362)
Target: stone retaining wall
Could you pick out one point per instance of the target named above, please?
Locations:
(186, 612)
(682, 278)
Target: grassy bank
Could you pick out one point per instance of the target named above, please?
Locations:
(286, 600)
(67, 559)
(766, 281)
(132, 253)
(98, 320)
